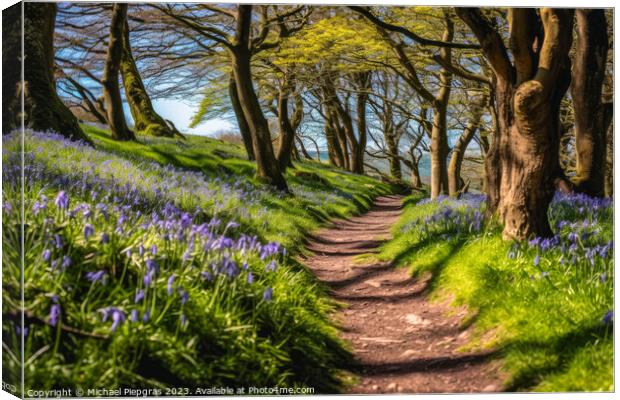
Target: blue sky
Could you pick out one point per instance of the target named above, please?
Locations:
(180, 113)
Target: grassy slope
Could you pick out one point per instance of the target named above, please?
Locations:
(235, 336)
(545, 319)
(291, 218)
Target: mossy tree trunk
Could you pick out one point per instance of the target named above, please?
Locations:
(244, 128)
(267, 166)
(528, 90)
(111, 89)
(455, 182)
(43, 108)
(146, 120)
(588, 74)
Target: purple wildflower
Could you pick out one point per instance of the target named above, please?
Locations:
(97, 276)
(88, 231)
(139, 296)
(536, 260)
(609, 317)
(267, 295)
(58, 241)
(170, 282)
(47, 254)
(134, 316)
(66, 261)
(62, 200)
(105, 238)
(250, 278)
(54, 316)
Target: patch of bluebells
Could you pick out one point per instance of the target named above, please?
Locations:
(581, 246)
(128, 222)
(453, 218)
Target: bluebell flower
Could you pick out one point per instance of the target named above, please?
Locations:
(66, 262)
(184, 296)
(62, 200)
(47, 255)
(609, 317)
(139, 296)
(118, 316)
(58, 241)
(97, 276)
(134, 316)
(536, 260)
(170, 282)
(105, 238)
(250, 277)
(54, 316)
(147, 316)
(88, 231)
(267, 295)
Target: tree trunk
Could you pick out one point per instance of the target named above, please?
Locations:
(439, 136)
(530, 152)
(146, 120)
(266, 163)
(244, 129)
(286, 140)
(111, 89)
(393, 156)
(458, 152)
(527, 96)
(363, 81)
(586, 86)
(43, 108)
(416, 181)
(11, 67)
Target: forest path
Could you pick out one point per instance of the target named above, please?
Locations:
(401, 342)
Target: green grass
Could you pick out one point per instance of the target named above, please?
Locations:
(226, 332)
(545, 320)
(322, 192)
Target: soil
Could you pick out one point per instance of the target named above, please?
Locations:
(401, 341)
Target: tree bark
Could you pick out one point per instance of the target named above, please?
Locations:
(146, 120)
(242, 123)
(527, 97)
(588, 74)
(44, 111)
(286, 140)
(393, 156)
(363, 82)
(439, 136)
(111, 89)
(416, 181)
(266, 163)
(11, 67)
(458, 152)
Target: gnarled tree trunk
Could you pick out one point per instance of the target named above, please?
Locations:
(43, 108)
(146, 120)
(587, 82)
(527, 97)
(111, 89)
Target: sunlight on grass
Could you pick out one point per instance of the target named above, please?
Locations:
(545, 304)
